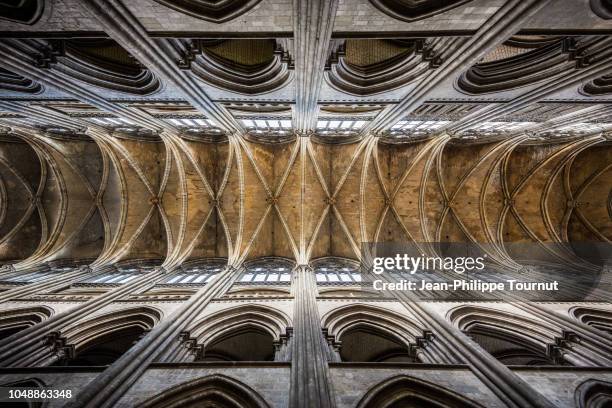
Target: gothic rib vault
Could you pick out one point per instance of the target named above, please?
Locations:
(185, 187)
(179, 200)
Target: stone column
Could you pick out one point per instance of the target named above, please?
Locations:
(313, 22)
(429, 351)
(506, 22)
(598, 343)
(508, 386)
(22, 344)
(121, 25)
(110, 385)
(310, 385)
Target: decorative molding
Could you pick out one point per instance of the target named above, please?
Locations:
(211, 10)
(16, 83)
(400, 64)
(26, 12)
(542, 60)
(228, 68)
(413, 10)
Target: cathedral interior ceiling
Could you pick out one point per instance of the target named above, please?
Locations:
(176, 147)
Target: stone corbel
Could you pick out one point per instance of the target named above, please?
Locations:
(334, 346)
(58, 346)
(414, 350)
(285, 57)
(48, 56)
(197, 350)
(429, 54)
(189, 55)
(555, 353)
(561, 346)
(65, 353)
(423, 341)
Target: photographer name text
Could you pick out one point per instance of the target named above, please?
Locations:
(467, 285)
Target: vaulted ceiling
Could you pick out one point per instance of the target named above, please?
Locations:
(111, 199)
(125, 140)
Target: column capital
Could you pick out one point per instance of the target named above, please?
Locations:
(304, 133)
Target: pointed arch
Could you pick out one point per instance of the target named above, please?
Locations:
(103, 339)
(599, 319)
(371, 334)
(15, 320)
(214, 390)
(241, 333)
(593, 394)
(510, 338)
(403, 390)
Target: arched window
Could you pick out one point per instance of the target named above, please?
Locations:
(336, 271)
(363, 333)
(253, 333)
(267, 271)
(118, 275)
(405, 392)
(511, 339)
(245, 343)
(216, 391)
(102, 340)
(15, 320)
(199, 273)
(368, 343)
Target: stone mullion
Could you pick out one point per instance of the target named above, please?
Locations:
(500, 26)
(508, 386)
(47, 284)
(47, 115)
(310, 384)
(121, 25)
(108, 387)
(313, 22)
(9, 271)
(19, 345)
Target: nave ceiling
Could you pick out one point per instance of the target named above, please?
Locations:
(124, 142)
(112, 199)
